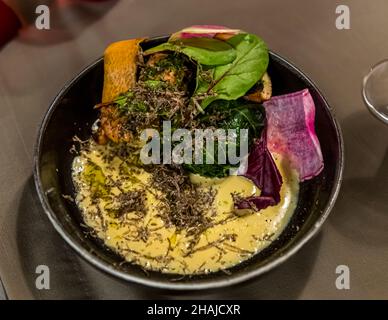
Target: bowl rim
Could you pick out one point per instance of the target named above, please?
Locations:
(203, 284)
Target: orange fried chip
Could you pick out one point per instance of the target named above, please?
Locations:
(120, 68)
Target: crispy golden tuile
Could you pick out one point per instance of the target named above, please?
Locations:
(120, 68)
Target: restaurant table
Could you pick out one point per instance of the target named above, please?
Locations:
(35, 65)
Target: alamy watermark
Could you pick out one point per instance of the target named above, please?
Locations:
(199, 146)
(42, 281)
(342, 22)
(342, 281)
(42, 22)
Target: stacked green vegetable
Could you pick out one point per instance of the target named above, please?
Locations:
(211, 77)
(226, 71)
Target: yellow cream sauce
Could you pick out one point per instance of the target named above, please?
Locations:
(231, 240)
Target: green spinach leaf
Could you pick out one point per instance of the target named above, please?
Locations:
(223, 114)
(233, 80)
(205, 51)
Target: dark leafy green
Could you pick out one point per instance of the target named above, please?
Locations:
(231, 81)
(223, 114)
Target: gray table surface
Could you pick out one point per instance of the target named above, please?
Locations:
(36, 65)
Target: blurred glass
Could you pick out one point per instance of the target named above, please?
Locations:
(375, 90)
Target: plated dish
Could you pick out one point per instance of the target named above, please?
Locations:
(189, 218)
(126, 204)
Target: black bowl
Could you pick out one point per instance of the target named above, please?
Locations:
(71, 113)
